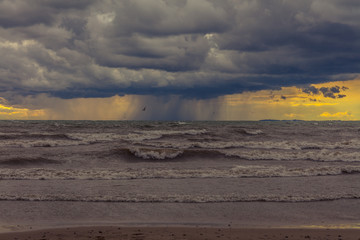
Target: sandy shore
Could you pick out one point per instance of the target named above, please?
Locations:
(160, 233)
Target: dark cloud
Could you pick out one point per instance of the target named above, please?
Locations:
(23, 13)
(170, 17)
(66, 4)
(192, 48)
(329, 92)
(75, 25)
(311, 90)
(174, 53)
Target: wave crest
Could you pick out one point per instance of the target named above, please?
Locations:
(157, 154)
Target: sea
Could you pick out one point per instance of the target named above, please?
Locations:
(232, 174)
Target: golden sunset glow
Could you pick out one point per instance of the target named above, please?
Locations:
(7, 112)
(294, 103)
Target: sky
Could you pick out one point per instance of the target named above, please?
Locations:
(180, 59)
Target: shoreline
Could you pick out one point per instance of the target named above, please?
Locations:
(171, 232)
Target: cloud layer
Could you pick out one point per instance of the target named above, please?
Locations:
(190, 48)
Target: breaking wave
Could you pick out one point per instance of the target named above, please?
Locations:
(252, 132)
(151, 153)
(159, 154)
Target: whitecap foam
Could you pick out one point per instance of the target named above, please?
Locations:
(159, 154)
(253, 132)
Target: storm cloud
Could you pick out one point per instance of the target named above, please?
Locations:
(189, 48)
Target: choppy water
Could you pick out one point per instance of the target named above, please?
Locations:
(179, 162)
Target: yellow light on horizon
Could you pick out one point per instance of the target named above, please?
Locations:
(10, 112)
(293, 102)
(285, 104)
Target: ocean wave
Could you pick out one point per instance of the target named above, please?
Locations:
(153, 153)
(324, 155)
(178, 198)
(28, 161)
(252, 171)
(267, 145)
(57, 140)
(94, 137)
(285, 145)
(73, 139)
(253, 131)
(139, 136)
(241, 130)
(158, 154)
(28, 143)
(17, 136)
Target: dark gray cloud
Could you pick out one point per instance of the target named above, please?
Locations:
(195, 48)
(329, 92)
(311, 90)
(170, 17)
(23, 13)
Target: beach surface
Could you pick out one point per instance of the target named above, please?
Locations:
(196, 233)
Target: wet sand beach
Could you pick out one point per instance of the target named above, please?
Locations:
(194, 233)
